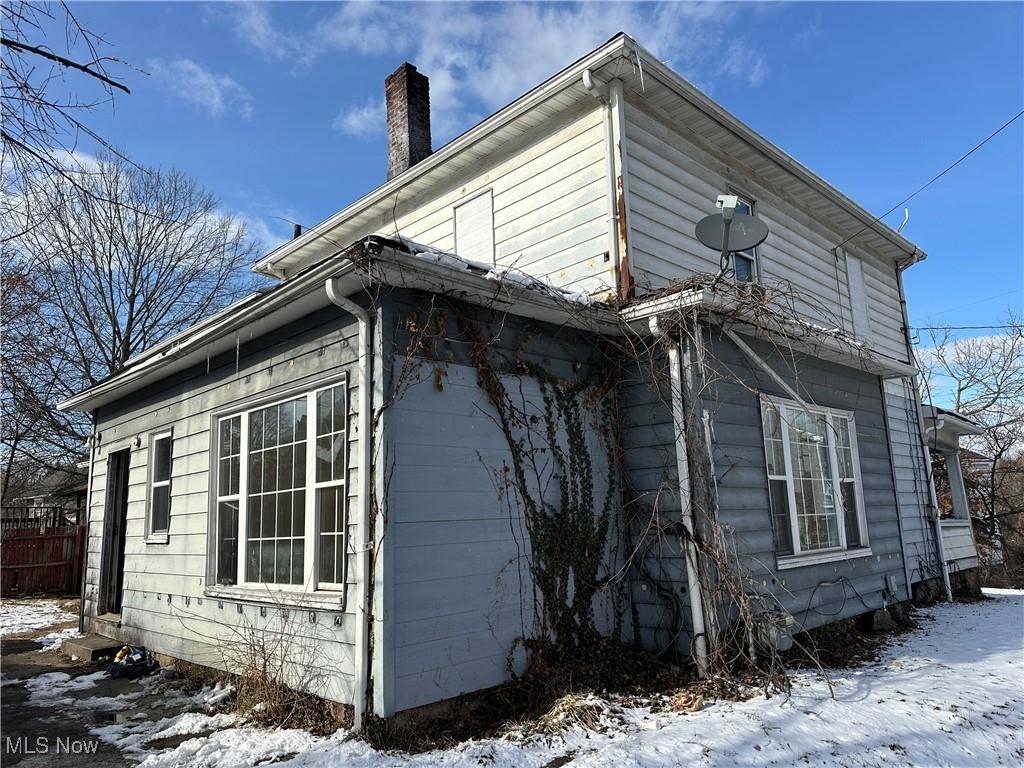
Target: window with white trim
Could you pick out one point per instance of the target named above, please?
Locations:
(159, 511)
(813, 478)
(744, 263)
(281, 505)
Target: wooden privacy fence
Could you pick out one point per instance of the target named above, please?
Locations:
(41, 560)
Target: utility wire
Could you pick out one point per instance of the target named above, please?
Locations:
(935, 178)
(963, 327)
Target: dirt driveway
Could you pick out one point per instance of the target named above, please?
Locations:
(56, 711)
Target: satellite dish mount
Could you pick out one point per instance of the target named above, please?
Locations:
(729, 231)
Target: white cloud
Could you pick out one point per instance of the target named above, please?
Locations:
(479, 58)
(253, 25)
(192, 83)
(365, 120)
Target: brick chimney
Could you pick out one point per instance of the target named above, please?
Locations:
(407, 94)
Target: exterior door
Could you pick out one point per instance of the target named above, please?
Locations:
(114, 519)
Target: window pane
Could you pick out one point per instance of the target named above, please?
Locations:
(256, 430)
(161, 459)
(340, 413)
(338, 449)
(744, 266)
(324, 459)
(254, 515)
(286, 422)
(298, 548)
(160, 516)
(227, 542)
(256, 472)
(324, 419)
(850, 516)
(779, 492)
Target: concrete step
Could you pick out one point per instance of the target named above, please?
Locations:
(91, 648)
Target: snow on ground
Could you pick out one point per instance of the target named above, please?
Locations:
(947, 694)
(53, 641)
(18, 616)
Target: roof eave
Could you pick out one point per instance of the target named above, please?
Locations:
(614, 48)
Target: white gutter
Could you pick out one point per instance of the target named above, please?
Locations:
(364, 541)
(700, 644)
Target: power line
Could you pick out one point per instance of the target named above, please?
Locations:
(935, 178)
(975, 303)
(964, 327)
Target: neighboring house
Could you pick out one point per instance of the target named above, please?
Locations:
(355, 450)
(55, 499)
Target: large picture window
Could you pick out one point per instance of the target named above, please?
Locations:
(813, 479)
(281, 493)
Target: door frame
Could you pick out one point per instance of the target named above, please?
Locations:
(115, 518)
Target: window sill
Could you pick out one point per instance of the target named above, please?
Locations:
(290, 598)
(821, 557)
(158, 538)
(954, 522)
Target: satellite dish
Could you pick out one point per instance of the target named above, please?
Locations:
(745, 232)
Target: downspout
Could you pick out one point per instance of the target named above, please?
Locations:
(364, 610)
(940, 545)
(609, 163)
(610, 97)
(700, 645)
(88, 511)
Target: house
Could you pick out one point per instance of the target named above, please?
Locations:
(508, 394)
(57, 498)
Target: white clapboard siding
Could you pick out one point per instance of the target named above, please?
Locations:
(674, 181)
(548, 206)
(164, 606)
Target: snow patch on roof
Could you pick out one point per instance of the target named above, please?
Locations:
(499, 274)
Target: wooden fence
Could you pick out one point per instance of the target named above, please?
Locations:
(41, 560)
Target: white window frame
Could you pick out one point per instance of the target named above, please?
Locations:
(309, 585)
(162, 536)
(809, 557)
(752, 255)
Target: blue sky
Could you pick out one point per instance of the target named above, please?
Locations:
(277, 107)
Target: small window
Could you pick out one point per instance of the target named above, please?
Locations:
(474, 229)
(159, 485)
(813, 479)
(744, 263)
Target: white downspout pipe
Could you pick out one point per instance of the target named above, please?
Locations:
(93, 439)
(700, 645)
(365, 533)
(601, 94)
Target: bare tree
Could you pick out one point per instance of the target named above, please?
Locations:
(99, 266)
(983, 378)
(51, 75)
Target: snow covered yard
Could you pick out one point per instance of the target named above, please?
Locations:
(947, 694)
(18, 617)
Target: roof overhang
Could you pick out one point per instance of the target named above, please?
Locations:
(643, 77)
(374, 261)
(799, 336)
(945, 427)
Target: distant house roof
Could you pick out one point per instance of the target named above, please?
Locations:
(643, 77)
(66, 481)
